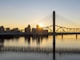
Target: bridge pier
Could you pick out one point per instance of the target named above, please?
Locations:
(76, 36)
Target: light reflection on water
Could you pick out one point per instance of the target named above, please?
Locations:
(29, 42)
(68, 41)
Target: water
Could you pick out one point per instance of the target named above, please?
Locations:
(29, 42)
(67, 41)
(24, 56)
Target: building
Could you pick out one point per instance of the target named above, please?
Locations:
(15, 30)
(1, 29)
(7, 29)
(38, 30)
(28, 29)
(45, 32)
(34, 31)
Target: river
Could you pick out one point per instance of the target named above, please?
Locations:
(63, 42)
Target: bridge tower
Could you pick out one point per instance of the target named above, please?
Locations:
(54, 34)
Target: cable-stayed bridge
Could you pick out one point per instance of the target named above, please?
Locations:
(63, 26)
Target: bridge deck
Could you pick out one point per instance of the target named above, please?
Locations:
(64, 33)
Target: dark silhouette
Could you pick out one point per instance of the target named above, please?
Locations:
(54, 35)
(28, 39)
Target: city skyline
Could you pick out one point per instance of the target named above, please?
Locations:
(20, 13)
(27, 29)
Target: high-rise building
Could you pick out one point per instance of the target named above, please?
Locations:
(28, 29)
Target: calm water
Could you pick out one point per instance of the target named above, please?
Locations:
(67, 41)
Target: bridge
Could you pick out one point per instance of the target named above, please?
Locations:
(60, 30)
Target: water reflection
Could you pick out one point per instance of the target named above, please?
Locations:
(28, 38)
(38, 39)
(1, 42)
(68, 41)
(22, 41)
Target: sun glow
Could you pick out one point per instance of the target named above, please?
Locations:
(41, 25)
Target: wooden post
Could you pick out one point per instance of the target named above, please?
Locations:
(53, 35)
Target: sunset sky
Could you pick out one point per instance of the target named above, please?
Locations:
(20, 13)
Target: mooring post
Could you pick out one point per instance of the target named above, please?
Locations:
(53, 35)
